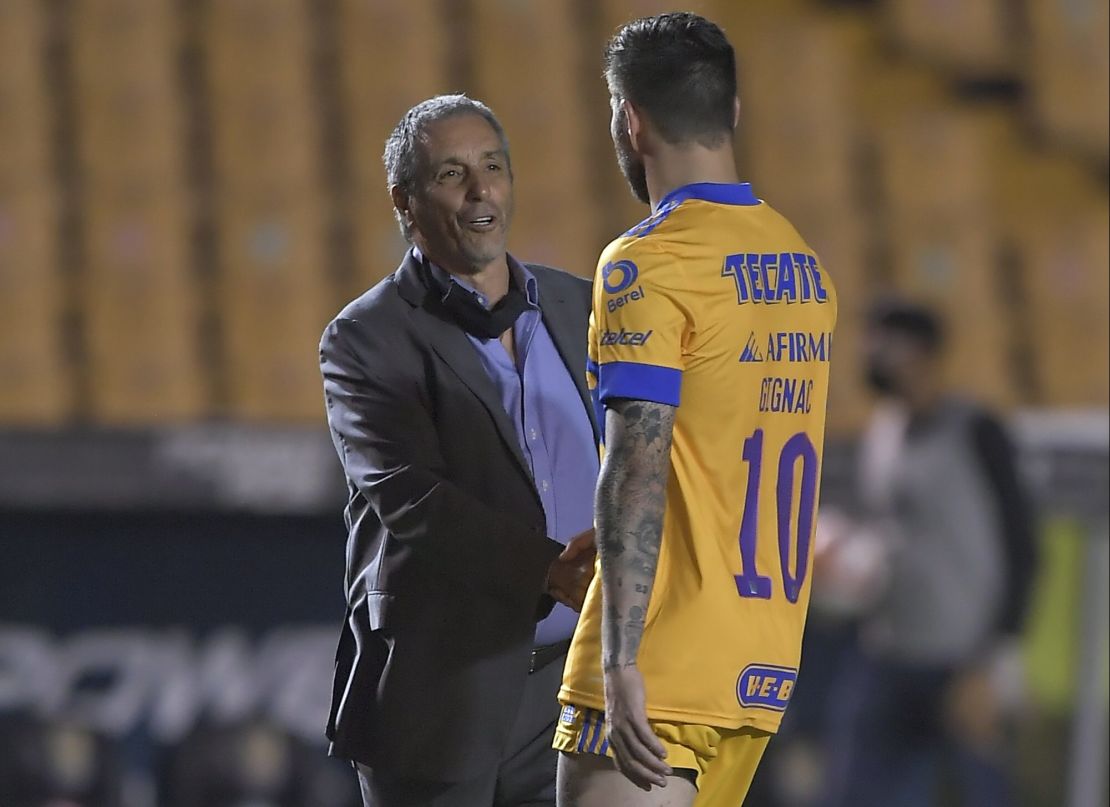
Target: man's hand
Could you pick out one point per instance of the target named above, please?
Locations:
(579, 546)
(570, 574)
(637, 752)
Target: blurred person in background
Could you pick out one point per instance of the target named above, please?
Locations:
(709, 358)
(456, 397)
(940, 565)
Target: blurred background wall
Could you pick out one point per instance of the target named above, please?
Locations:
(190, 189)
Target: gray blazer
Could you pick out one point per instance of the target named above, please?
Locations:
(447, 550)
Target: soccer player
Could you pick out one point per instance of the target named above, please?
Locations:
(709, 362)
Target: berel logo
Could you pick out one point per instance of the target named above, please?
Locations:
(618, 276)
(566, 717)
(766, 686)
(623, 337)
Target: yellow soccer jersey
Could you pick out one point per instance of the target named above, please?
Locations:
(716, 305)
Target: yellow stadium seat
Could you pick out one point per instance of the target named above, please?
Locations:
(139, 370)
(238, 33)
(953, 267)
(23, 25)
(112, 40)
(274, 237)
(934, 161)
(372, 36)
(37, 386)
(264, 143)
(129, 117)
(543, 117)
(979, 39)
(274, 299)
(378, 35)
(1069, 72)
(378, 243)
(942, 234)
(25, 115)
(797, 117)
(140, 310)
(1061, 255)
(260, 97)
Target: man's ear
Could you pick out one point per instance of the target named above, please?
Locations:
(635, 123)
(402, 202)
(735, 112)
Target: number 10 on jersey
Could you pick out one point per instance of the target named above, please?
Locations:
(796, 542)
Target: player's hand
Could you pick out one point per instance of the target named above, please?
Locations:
(637, 752)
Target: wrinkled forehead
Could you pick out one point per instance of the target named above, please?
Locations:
(463, 137)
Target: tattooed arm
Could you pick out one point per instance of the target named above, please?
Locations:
(629, 508)
(629, 514)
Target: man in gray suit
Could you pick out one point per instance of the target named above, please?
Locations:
(456, 398)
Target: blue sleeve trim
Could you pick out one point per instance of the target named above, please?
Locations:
(639, 382)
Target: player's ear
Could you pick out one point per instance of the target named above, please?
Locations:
(735, 112)
(635, 123)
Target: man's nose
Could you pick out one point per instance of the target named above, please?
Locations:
(478, 187)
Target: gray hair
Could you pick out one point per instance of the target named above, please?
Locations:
(402, 155)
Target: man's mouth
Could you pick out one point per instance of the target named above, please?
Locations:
(481, 222)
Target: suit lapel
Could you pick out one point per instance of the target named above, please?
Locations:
(568, 332)
(451, 344)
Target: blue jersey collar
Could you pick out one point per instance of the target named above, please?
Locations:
(720, 193)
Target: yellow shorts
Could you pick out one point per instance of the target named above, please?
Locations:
(723, 760)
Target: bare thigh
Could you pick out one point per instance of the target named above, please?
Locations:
(588, 780)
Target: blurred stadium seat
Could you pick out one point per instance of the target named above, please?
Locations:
(214, 197)
(273, 292)
(26, 122)
(797, 111)
(1068, 71)
(139, 313)
(973, 40)
(36, 385)
(543, 117)
(1065, 306)
(943, 236)
(375, 37)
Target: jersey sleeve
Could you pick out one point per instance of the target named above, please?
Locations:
(637, 327)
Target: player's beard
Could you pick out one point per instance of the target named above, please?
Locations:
(632, 165)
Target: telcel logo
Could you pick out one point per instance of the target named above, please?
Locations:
(623, 337)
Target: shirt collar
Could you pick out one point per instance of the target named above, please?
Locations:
(518, 274)
(737, 193)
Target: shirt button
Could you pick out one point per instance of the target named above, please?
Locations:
(545, 486)
(533, 434)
